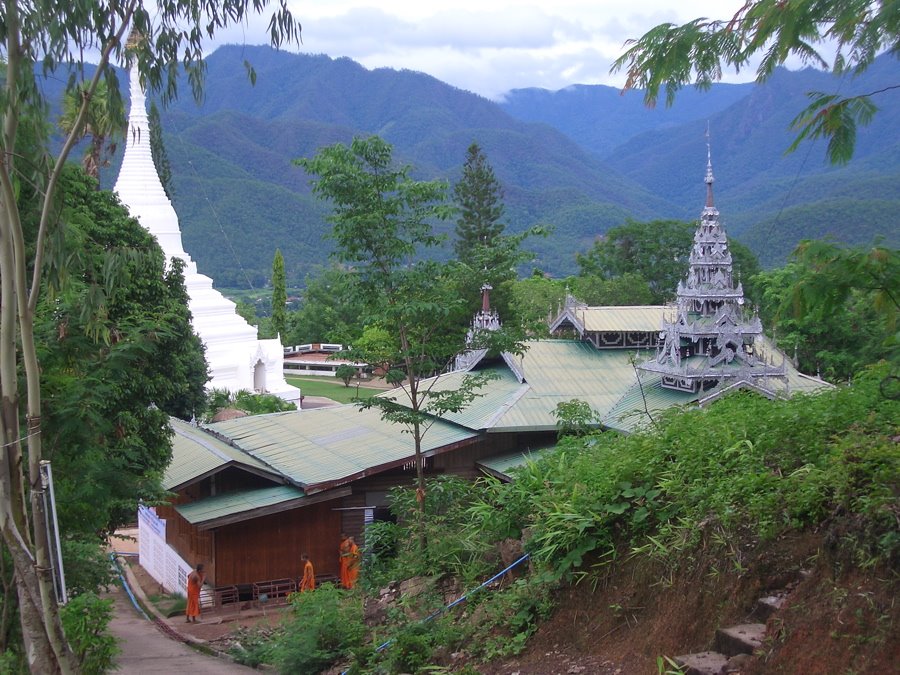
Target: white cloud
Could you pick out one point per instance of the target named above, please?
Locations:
(486, 46)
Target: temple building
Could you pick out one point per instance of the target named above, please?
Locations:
(254, 493)
(710, 345)
(237, 358)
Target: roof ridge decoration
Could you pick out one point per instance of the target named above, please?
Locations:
(710, 342)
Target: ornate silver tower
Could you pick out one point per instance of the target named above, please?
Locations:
(710, 343)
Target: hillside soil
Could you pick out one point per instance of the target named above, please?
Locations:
(831, 622)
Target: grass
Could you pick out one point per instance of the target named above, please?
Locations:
(169, 605)
(331, 388)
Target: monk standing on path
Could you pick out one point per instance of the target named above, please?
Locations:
(308, 581)
(194, 583)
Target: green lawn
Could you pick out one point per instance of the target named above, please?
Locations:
(330, 387)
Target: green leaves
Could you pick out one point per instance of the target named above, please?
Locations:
(835, 118)
(114, 336)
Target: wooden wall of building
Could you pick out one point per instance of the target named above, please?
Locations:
(193, 545)
(270, 547)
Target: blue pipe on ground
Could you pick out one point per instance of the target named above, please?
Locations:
(119, 571)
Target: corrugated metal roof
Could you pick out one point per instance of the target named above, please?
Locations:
(637, 318)
(630, 412)
(797, 382)
(324, 445)
(503, 464)
(493, 399)
(233, 503)
(561, 370)
(196, 453)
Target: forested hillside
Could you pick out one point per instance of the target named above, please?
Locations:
(609, 159)
(768, 199)
(235, 184)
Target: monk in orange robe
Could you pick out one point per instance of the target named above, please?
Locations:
(308, 581)
(344, 559)
(194, 584)
(352, 564)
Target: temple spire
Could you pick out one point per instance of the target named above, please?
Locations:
(486, 298)
(709, 173)
(710, 342)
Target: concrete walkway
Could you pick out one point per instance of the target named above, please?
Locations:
(145, 649)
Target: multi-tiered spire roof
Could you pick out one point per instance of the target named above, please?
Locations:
(710, 343)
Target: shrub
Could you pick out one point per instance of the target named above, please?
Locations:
(327, 624)
(85, 619)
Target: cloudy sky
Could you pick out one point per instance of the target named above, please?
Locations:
(486, 46)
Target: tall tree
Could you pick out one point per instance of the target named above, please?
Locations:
(104, 124)
(486, 254)
(382, 227)
(480, 200)
(670, 56)
(57, 36)
(158, 151)
(108, 445)
(279, 295)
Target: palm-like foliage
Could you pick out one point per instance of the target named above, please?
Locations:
(104, 124)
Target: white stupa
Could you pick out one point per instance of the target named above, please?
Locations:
(237, 358)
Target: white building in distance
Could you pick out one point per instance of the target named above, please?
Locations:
(237, 358)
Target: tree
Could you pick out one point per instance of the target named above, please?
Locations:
(834, 308)
(57, 37)
(480, 200)
(108, 443)
(657, 252)
(381, 227)
(104, 123)
(486, 254)
(625, 289)
(329, 312)
(279, 296)
(345, 372)
(158, 151)
(534, 300)
(670, 56)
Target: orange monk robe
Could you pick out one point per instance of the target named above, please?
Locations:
(352, 566)
(194, 583)
(308, 582)
(344, 559)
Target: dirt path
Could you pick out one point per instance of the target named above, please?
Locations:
(146, 649)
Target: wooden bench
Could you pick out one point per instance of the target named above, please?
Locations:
(273, 592)
(327, 579)
(226, 597)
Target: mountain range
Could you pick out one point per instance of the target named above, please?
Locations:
(582, 159)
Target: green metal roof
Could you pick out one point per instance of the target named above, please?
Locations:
(561, 370)
(327, 445)
(235, 503)
(630, 412)
(635, 318)
(797, 382)
(496, 397)
(196, 454)
(502, 464)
